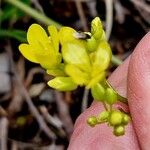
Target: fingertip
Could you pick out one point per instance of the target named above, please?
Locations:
(138, 90)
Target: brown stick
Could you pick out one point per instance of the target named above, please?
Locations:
(3, 133)
(27, 98)
(81, 15)
(64, 113)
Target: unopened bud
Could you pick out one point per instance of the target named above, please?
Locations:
(125, 119)
(92, 121)
(103, 116)
(119, 130)
(115, 118)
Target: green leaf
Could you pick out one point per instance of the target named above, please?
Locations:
(62, 84)
(76, 54)
(98, 92)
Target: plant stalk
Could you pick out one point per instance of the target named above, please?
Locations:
(34, 13)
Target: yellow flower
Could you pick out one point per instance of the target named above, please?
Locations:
(86, 69)
(41, 48)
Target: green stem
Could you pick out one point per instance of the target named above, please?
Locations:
(16, 34)
(105, 106)
(33, 13)
(116, 61)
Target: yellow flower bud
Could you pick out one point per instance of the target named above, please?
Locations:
(92, 121)
(115, 118)
(103, 116)
(125, 119)
(91, 44)
(119, 130)
(96, 28)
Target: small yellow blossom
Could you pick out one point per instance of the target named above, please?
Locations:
(41, 48)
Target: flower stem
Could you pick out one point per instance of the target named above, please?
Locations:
(33, 13)
(105, 106)
(85, 99)
(116, 61)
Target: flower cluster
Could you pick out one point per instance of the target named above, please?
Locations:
(73, 59)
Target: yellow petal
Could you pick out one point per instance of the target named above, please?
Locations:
(62, 84)
(48, 61)
(96, 79)
(77, 55)
(66, 34)
(54, 36)
(38, 38)
(101, 58)
(78, 76)
(36, 33)
(57, 71)
(28, 52)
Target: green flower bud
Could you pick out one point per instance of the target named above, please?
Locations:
(92, 121)
(119, 130)
(91, 44)
(110, 96)
(103, 116)
(115, 118)
(98, 92)
(96, 28)
(62, 84)
(125, 119)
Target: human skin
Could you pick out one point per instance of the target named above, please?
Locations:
(132, 80)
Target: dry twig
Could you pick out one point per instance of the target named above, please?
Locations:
(64, 113)
(141, 4)
(52, 120)
(31, 74)
(27, 98)
(3, 133)
(81, 15)
(109, 17)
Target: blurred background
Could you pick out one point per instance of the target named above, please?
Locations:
(32, 115)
